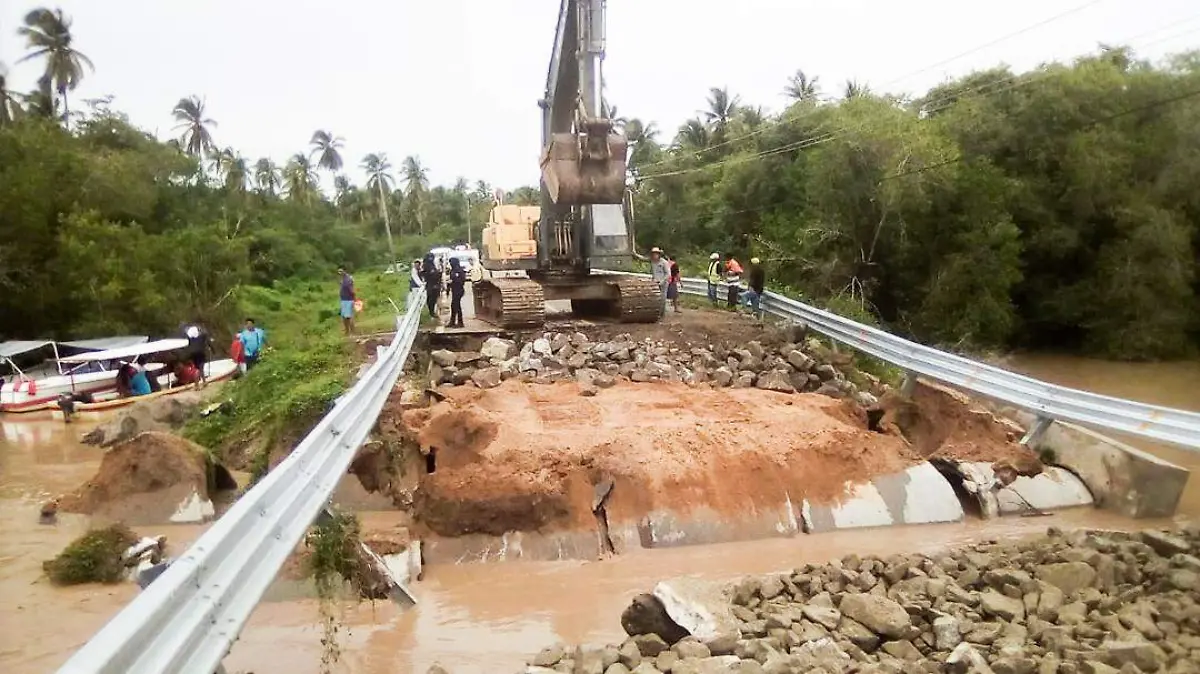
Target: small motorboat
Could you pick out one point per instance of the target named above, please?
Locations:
(38, 387)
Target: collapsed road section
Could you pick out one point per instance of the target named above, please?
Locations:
(570, 445)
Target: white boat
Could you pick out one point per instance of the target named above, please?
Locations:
(92, 372)
(214, 371)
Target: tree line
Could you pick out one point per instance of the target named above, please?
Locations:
(1053, 209)
(105, 230)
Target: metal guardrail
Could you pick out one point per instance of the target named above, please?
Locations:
(186, 621)
(1048, 401)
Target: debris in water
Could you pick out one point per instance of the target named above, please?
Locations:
(95, 557)
(49, 513)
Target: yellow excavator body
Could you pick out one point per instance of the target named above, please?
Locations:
(509, 234)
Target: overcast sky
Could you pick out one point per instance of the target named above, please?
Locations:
(456, 82)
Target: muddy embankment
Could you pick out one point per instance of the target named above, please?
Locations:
(1095, 602)
(603, 446)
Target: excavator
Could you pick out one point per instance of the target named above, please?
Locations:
(579, 224)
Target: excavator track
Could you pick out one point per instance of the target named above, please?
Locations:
(510, 303)
(641, 300)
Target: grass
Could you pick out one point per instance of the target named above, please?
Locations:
(94, 557)
(306, 364)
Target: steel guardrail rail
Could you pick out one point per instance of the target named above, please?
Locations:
(186, 621)
(1049, 401)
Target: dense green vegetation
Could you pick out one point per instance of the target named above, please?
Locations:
(304, 367)
(106, 230)
(1050, 209)
(1054, 209)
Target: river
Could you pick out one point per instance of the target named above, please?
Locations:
(479, 617)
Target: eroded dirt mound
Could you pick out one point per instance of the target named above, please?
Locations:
(944, 424)
(148, 479)
(522, 457)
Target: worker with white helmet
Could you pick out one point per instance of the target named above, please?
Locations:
(659, 270)
(713, 276)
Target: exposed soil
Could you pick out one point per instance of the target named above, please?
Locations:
(944, 424)
(142, 480)
(524, 457)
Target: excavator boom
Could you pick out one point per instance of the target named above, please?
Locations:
(581, 220)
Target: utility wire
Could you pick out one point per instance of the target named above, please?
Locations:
(1017, 80)
(1163, 102)
(1013, 81)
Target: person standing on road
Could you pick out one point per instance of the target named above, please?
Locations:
(758, 281)
(673, 283)
(253, 339)
(733, 278)
(713, 276)
(660, 271)
(458, 281)
(432, 276)
(347, 296)
(414, 279)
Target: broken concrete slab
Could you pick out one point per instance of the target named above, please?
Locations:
(703, 608)
(1053, 489)
(1121, 478)
(918, 495)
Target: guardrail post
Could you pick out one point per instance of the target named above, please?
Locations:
(1036, 430)
(909, 385)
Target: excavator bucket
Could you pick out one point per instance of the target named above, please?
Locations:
(586, 168)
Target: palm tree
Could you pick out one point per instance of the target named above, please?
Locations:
(300, 178)
(721, 107)
(325, 148)
(801, 88)
(196, 138)
(693, 135)
(379, 180)
(856, 90)
(610, 112)
(219, 161)
(267, 177)
(9, 108)
(341, 187)
(48, 34)
(416, 183)
(41, 101)
(237, 173)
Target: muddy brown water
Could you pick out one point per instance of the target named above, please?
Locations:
(474, 617)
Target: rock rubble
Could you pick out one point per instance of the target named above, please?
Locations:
(559, 356)
(1085, 602)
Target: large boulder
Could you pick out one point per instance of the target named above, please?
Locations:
(647, 615)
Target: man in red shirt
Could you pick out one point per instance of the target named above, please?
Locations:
(733, 278)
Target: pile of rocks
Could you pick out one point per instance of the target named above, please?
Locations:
(558, 356)
(1084, 602)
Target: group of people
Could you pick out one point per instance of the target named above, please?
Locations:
(730, 274)
(664, 269)
(428, 273)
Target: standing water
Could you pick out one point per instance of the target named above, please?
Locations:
(476, 617)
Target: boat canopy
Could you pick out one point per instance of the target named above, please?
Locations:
(18, 347)
(130, 351)
(101, 344)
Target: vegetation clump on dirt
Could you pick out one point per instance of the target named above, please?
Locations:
(95, 557)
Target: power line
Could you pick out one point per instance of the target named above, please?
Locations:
(1163, 102)
(1015, 81)
(998, 40)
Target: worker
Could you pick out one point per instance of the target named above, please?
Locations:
(253, 339)
(757, 283)
(198, 347)
(139, 385)
(660, 271)
(673, 283)
(346, 298)
(237, 352)
(414, 279)
(458, 281)
(432, 276)
(733, 278)
(713, 276)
